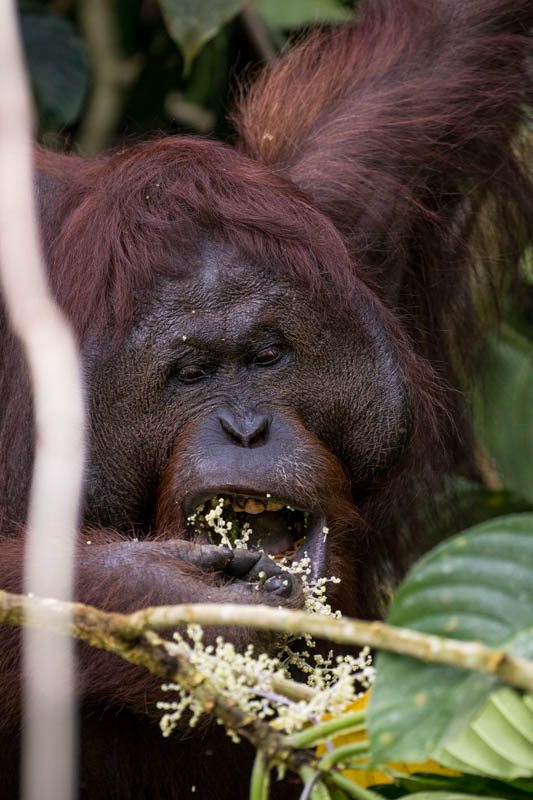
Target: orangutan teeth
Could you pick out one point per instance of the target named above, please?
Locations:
(274, 505)
(252, 505)
(239, 521)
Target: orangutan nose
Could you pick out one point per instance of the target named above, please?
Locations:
(252, 431)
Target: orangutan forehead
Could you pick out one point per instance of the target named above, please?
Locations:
(223, 307)
(215, 276)
(217, 293)
(218, 299)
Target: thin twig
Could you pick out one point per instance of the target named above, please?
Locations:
(345, 753)
(112, 73)
(310, 737)
(260, 778)
(352, 789)
(426, 647)
(310, 778)
(258, 33)
(119, 632)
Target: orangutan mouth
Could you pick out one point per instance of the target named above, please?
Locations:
(258, 522)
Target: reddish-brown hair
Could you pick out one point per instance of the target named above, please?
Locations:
(380, 160)
(400, 131)
(378, 166)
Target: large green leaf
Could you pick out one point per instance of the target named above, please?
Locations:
(57, 66)
(476, 586)
(499, 742)
(192, 23)
(504, 412)
(298, 13)
(480, 786)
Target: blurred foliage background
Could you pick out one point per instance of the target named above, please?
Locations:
(106, 72)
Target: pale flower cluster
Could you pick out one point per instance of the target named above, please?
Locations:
(248, 681)
(223, 528)
(215, 520)
(314, 588)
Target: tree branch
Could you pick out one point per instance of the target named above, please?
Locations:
(258, 33)
(113, 74)
(123, 633)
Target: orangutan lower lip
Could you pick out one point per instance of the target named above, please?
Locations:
(314, 546)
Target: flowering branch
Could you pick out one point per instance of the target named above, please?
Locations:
(193, 671)
(124, 634)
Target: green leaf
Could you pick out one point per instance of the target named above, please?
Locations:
(462, 784)
(499, 742)
(476, 586)
(192, 23)
(504, 412)
(299, 13)
(524, 785)
(527, 262)
(57, 66)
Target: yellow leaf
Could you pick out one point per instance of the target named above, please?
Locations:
(369, 777)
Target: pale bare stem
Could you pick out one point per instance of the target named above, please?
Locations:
(49, 733)
(112, 73)
(486, 468)
(258, 33)
(310, 778)
(121, 633)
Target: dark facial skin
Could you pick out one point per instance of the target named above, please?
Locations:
(235, 382)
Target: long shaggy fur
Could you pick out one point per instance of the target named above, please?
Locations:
(402, 130)
(383, 160)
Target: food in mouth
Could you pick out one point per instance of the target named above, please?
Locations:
(293, 538)
(255, 522)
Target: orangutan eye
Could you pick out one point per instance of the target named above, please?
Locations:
(267, 356)
(192, 373)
